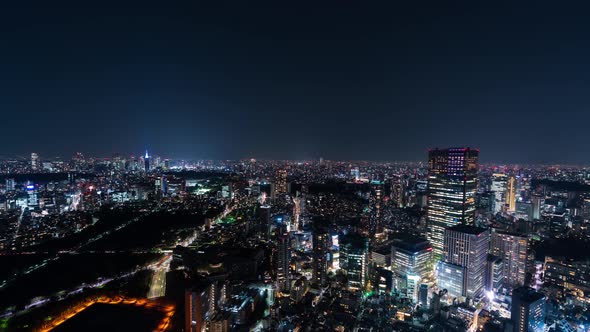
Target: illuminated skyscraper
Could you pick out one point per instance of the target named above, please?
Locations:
(528, 310)
(499, 186)
(376, 207)
(264, 222)
(511, 193)
(280, 182)
(197, 305)
(34, 161)
(397, 191)
(462, 271)
(321, 241)
(512, 248)
(354, 259)
(452, 185)
(297, 204)
(283, 260)
(146, 160)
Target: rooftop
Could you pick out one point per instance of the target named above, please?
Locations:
(468, 229)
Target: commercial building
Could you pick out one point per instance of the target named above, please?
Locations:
(283, 260)
(411, 262)
(528, 310)
(321, 245)
(568, 273)
(354, 260)
(452, 185)
(513, 248)
(466, 250)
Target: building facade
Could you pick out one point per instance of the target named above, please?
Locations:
(452, 186)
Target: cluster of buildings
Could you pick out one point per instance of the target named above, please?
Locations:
(445, 245)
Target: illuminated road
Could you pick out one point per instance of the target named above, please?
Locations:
(158, 284)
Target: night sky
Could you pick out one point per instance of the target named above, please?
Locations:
(347, 80)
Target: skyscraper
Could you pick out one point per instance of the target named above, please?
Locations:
(528, 310)
(263, 228)
(34, 161)
(376, 208)
(511, 193)
(499, 186)
(354, 259)
(512, 248)
(465, 250)
(280, 182)
(197, 306)
(320, 255)
(146, 160)
(283, 260)
(452, 185)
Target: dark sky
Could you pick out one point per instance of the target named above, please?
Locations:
(344, 80)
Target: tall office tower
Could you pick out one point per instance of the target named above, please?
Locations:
(321, 242)
(452, 185)
(537, 201)
(263, 228)
(354, 260)
(146, 160)
(462, 271)
(197, 306)
(513, 249)
(283, 260)
(499, 186)
(280, 182)
(376, 208)
(34, 161)
(32, 192)
(397, 191)
(511, 193)
(528, 310)
(297, 202)
(411, 262)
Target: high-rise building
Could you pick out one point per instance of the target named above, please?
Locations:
(397, 191)
(499, 186)
(465, 249)
(411, 262)
(264, 224)
(280, 182)
(146, 160)
(411, 256)
(321, 241)
(528, 310)
(537, 202)
(513, 249)
(34, 161)
(452, 185)
(197, 305)
(376, 208)
(511, 193)
(354, 260)
(283, 260)
(297, 205)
